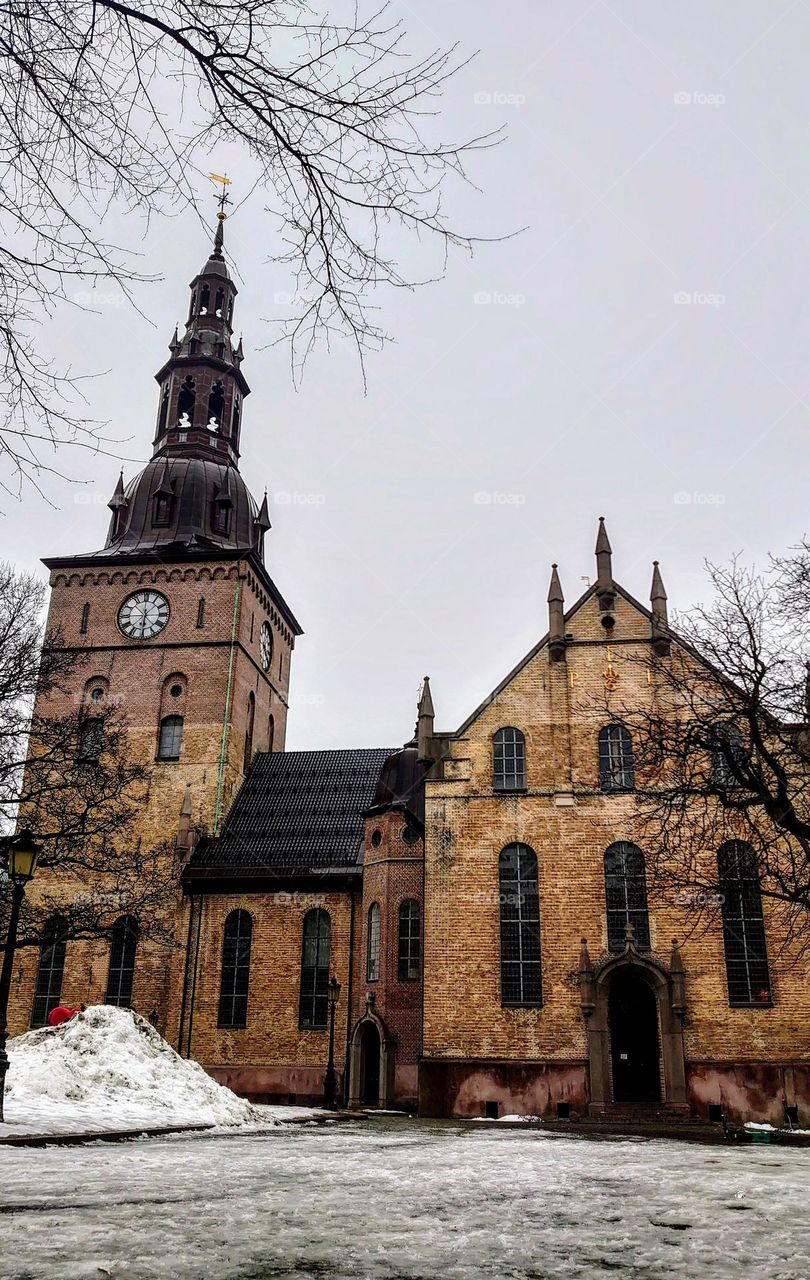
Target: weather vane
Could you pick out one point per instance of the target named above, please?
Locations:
(223, 198)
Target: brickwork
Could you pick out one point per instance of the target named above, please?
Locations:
(215, 666)
(271, 1058)
(569, 823)
(392, 872)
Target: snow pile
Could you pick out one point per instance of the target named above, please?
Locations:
(108, 1068)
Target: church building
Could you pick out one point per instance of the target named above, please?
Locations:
(476, 893)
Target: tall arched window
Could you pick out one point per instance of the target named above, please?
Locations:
(626, 895)
(520, 926)
(314, 995)
(408, 958)
(251, 716)
(48, 991)
(123, 945)
(235, 978)
(727, 752)
(271, 732)
(508, 760)
(216, 403)
(743, 925)
(85, 622)
(615, 758)
(171, 738)
(186, 400)
(373, 944)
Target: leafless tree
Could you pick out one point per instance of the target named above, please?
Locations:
(110, 107)
(722, 750)
(77, 789)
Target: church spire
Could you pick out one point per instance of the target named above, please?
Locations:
(660, 622)
(202, 387)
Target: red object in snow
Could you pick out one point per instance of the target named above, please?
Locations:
(60, 1014)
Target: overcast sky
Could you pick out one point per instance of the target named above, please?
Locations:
(639, 352)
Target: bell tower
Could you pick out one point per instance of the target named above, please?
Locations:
(176, 618)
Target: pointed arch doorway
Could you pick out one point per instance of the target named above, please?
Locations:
(371, 1060)
(635, 1048)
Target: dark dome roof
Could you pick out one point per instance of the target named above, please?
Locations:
(195, 487)
(401, 783)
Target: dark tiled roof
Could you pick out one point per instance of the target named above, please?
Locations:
(296, 811)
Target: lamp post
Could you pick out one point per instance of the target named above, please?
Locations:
(330, 1079)
(22, 853)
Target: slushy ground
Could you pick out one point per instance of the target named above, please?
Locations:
(403, 1199)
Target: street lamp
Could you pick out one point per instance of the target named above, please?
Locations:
(22, 854)
(330, 1079)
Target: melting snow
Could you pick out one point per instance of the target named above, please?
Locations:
(108, 1068)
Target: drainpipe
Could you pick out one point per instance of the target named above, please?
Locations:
(223, 746)
(347, 1062)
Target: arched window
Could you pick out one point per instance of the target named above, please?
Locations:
(626, 895)
(373, 944)
(123, 945)
(727, 752)
(235, 979)
(615, 758)
(271, 732)
(408, 958)
(314, 995)
(508, 760)
(218, 302)
(91, 739)
(251, 716)
(171, 738)
(235, 420)
(85, 622)
(164, 408)
(205, 300)
(48, 991)
(520, 927)
(201, 613)
(216, 403)
(743, 925)
(186, 399)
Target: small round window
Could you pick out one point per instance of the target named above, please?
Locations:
(409, 835)
(376, 838)
(176, 690)
(97, 694)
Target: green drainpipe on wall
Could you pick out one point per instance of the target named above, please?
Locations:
(223, 746)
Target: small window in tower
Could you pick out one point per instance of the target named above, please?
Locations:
(171, 738)
(162, 509)
(194, 346)
(205, 300)
(218, 302)
(216, 404)
(185, 403)
(221, 518)
(230, 310)
(85, 622)
(193, 304)
(91, 740)
(235, 418)
(201, 613)
(220, 350)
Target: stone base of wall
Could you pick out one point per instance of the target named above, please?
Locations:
(745, 1091)
(519, 1088)
(758, 1091)
(302, 1086)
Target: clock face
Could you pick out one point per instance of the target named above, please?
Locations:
(266, 645)
(143, 615)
